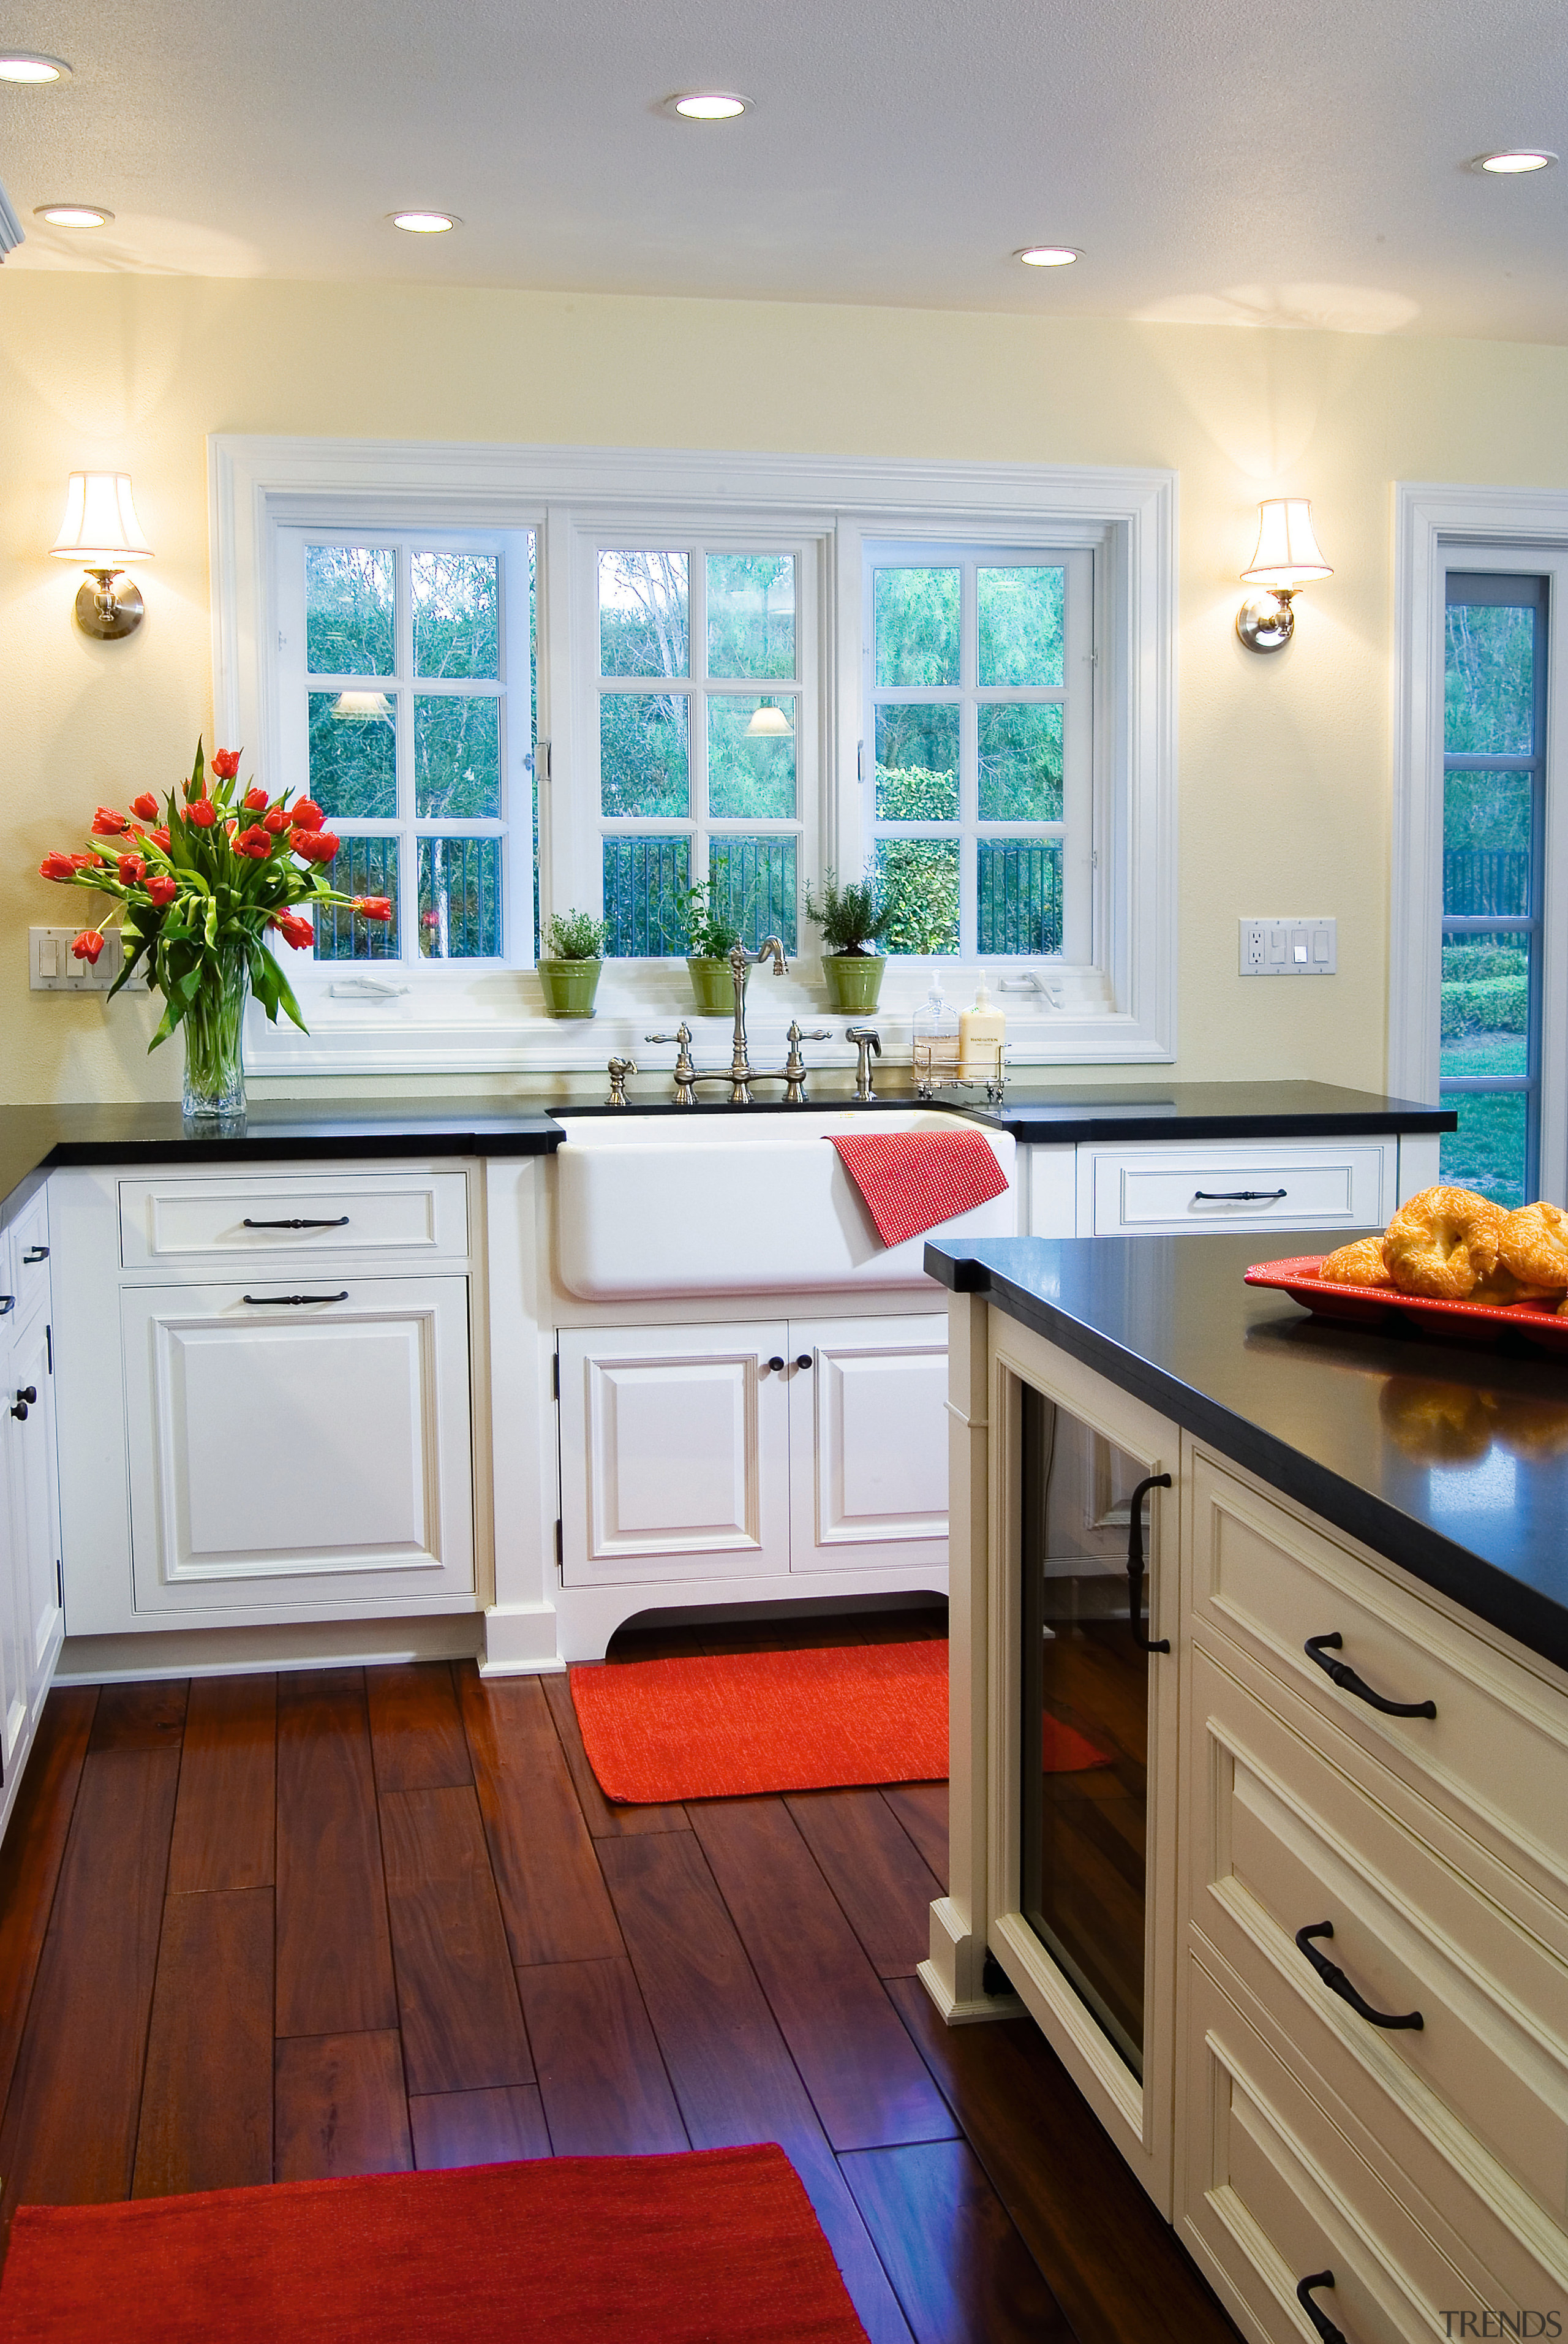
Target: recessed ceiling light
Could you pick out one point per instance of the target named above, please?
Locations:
(1048, 256)
(22, 64)
(72, 214)
(1515, 160)
(426, 223)
(710, 104)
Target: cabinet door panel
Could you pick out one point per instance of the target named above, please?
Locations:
(38, 1510)
(673, 1443)
(283, 1456)
(868, 1440)
(12, 1598)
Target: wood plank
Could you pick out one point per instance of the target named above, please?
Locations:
(606, 2092)
(498, 2127)
(554, 1901)
(416, 1730)
(206, 2103)
(334, 1950)
(734, 2079)
(880, 1877)
(958, 2265)
(604, 1820)
(462, 2026)
(69, 2133)
(868, 2084)
(922, 1809)
(338, 2108)
(1115, 2268)
(32, 1853)
(224, 1817)
(140, 1716)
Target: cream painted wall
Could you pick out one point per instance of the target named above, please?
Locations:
(1284, 803)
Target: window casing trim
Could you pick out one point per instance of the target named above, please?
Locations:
(452, 1020)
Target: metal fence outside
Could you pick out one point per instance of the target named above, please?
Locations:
(1479, 883)
(1019, 891)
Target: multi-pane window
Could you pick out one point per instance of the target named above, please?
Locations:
(1494, 702)
(406, 664)
(700, 688)
(978, 667)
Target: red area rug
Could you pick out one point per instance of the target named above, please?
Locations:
(733, 1724)
(721, 2247)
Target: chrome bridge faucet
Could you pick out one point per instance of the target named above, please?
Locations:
(742, 1073)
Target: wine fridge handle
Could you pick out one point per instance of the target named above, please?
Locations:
(1135, 1563)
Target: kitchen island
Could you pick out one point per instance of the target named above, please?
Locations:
(1294, 1908)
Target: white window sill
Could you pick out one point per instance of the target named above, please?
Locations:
(494, 1022)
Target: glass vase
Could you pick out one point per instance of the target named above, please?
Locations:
(214, 1028)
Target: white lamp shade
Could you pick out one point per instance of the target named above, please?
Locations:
(361, 707)
(770, 723)
(1288, 554)
(100, 527)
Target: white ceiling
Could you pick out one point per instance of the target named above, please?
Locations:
(1301, 165)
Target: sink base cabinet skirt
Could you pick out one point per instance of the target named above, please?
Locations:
(302, 1456)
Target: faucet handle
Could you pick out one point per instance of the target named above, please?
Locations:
(618, 1070)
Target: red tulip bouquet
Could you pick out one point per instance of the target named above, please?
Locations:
(200, 891)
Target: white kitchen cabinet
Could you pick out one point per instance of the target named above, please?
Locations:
(755, 1448)
(299, 1445)
(1223, 1186)
(868, 1438)
(35, 1503)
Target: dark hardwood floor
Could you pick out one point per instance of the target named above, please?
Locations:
(353, 1921)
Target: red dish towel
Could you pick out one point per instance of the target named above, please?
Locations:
(912, 1180)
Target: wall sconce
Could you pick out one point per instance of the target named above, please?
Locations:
(1287, 559)
(102, 532)
(769, 723)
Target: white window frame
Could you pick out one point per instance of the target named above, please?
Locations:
(1116, 1008)
(1440, 527)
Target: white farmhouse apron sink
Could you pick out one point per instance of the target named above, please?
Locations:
(669, 1206)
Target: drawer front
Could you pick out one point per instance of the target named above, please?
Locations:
(1282, 1841)
(173, 1223)
(1269, 1582)
(29, 1267)
(1302, 1187)
(1280, 2181)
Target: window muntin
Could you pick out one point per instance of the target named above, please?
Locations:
(1493, 793)
(397, 658)
(699, 770)
(981, 797)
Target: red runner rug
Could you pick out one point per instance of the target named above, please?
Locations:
(731, 1725)
(719, 2246)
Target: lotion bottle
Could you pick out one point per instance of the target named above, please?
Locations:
(981, 1032)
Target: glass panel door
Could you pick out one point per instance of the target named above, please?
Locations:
(1085, 1719)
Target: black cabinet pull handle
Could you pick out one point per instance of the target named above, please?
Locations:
(1337, 1982)
(20, 1410)
(29, 1392)
(1135, 1563)
(1318, 1648)
(7, 1304)
(291, 1301)
(804, 1359)
(1319, 2319)
(340, 1223)
(776, 1363)
(1238, 1196)
(34, 1255)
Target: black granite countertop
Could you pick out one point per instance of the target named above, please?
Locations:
(1452, 1463)
(34, 1140)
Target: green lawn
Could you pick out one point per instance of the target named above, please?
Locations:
(1487, 1152)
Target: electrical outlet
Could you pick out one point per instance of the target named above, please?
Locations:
(52, 967)
(1289, 946)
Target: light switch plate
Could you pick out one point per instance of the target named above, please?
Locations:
(1298, 945)
(52, 969)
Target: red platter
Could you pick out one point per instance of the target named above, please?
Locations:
(1476, 1323)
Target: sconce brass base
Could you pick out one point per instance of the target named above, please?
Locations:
(1265, 622)
(103, 613)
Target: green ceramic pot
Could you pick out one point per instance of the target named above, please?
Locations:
(712, 986)
(854, 979)
(570, 986)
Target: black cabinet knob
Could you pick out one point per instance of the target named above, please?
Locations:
(28, 1392)
(804, 1361)
(776, 1363)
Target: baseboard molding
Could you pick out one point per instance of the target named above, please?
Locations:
(966, 2013)
(293, 1644)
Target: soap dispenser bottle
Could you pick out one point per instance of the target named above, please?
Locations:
(981, 1032)
(936, 1043)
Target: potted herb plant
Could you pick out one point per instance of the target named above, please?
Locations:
(570, 971)
(850, 917)
(709, 937)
